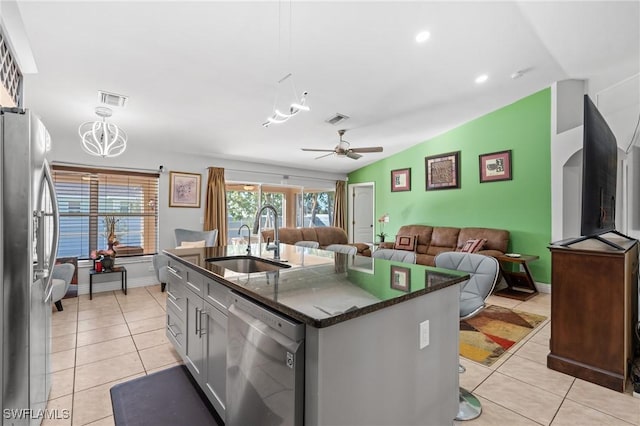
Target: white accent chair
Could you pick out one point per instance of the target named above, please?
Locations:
(342, 248)
(309, 244)
(483, 274)
(395, 255)
(60, 281)
(161, 261)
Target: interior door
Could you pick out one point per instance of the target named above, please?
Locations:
(362, 213)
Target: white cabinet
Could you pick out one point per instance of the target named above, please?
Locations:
(215, 347)
(194, 356)
(176, 308)
(197, 327)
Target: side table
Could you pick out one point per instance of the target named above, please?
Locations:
(117, 269)
(520, 284)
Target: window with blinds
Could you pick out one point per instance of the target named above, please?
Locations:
(102, 209)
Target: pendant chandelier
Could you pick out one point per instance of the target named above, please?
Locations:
(294, 108)
(295, 103)
(100, 138)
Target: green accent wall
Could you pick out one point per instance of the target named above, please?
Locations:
(521, 205)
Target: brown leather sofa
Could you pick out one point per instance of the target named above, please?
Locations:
(437, 239)
(324, 235)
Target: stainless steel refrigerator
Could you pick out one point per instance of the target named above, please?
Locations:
(29, 234)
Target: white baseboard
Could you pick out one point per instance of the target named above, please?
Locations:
(543, 287)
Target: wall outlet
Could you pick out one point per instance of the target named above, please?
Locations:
(424, 334)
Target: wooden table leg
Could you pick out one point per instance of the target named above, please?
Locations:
(520, 285)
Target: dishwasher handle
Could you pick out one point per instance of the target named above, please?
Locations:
(262, 331)
(274, 320)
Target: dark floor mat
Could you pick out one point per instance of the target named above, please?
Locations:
(169, 397)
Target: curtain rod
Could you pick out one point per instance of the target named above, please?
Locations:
(283, 175)
(136, 169)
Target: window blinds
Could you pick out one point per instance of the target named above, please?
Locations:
(91, 199)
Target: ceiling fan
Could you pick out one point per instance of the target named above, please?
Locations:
(343, 149)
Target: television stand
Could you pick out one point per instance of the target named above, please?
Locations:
(594, 306)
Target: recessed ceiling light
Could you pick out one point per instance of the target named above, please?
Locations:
(423, 36)
(482, 78)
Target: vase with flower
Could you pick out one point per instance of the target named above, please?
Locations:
(106, 258)
(110, 230)
(382, 220)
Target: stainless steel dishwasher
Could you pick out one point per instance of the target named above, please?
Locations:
(265, 366)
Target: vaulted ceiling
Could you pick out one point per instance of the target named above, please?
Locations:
(202, 77)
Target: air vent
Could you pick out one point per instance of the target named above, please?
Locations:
(112, 99)
(10, 75)
(337, 118)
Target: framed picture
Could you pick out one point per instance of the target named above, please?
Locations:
(443, 171)
(400, 180)
(184, 189)
(401, 278)
(495, 166)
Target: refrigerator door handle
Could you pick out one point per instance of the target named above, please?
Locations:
(48, 178)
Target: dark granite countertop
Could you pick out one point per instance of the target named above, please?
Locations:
(321, 288)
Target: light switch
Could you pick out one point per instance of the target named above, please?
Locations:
(424, 334)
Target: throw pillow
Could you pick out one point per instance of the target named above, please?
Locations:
(192, 244)
(473, 246)
(405, 242)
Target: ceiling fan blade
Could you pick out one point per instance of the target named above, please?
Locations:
(317, 150)
(326, 155)
(353, 155)
(367, 149)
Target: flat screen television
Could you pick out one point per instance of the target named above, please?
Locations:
(599, 173)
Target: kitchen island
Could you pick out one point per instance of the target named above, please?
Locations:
(379, 345)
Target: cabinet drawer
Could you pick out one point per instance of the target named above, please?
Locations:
(176, 297)
(176, 270)
(175, 329)
(217, 295)
(195, 282)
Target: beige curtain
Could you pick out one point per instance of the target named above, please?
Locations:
(215, 214)
(340, 205)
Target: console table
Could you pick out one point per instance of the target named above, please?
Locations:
(520, 284)
(115, 270)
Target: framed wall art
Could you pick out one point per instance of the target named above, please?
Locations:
(442, 171)
(184, 189)
(401, 278)
(400, 180)
(495, 166)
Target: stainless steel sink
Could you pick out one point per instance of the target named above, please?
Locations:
(246, 264)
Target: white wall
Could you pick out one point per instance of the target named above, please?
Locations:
(139, 269)
(619, 103)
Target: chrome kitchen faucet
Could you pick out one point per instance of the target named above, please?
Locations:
(276, 237)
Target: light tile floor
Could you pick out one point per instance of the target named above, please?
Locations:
(114, 338)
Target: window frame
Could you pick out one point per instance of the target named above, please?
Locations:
(105, 186)
(293, 211)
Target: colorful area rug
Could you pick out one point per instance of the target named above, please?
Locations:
(488, 335)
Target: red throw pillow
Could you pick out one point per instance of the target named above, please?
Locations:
(405, 242)
(473, 246)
